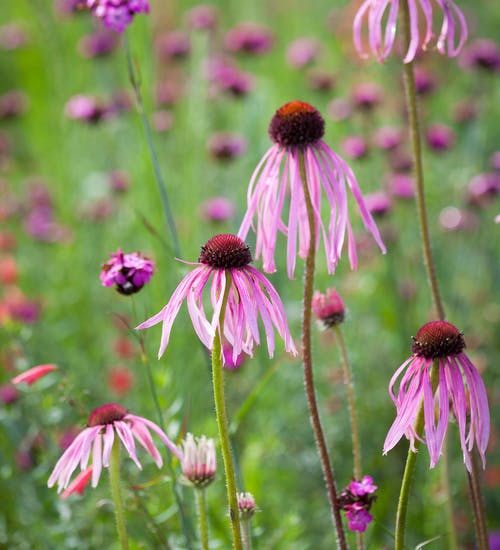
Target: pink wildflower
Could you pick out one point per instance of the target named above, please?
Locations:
(246, 505)
(357, 517)
(356, 500)
(382, 22)
(32, 375)
(297, 129)
(104, 424)
(117, 14)
(225, 259)
(199, 463)
(442, 342)
(129, 272)
(329, 307)
(363, 487)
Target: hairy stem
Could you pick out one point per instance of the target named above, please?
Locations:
(220, 410)
(116, 493)
(308, 366)
(201, 509)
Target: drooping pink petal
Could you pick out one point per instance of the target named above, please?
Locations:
(32, 375)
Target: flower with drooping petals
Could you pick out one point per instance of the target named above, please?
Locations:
(442, 343)
(129, 272)
(104, 424)
(199, 462)
(297, 129)
(32, 375)
(117, 14)
(226, 258)
(356, 500)
(382, 22)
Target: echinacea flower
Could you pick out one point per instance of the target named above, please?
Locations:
(32, 375)
(382, 18)
(117, 14)
(297, 129)
(104, 424)
(225, 259)
(199, 463)
(129, 272)
(441, 343)
(356, 500)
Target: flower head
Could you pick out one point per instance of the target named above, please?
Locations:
(129, 272)
(297, 129)
(382, 22)
(117, 14)
(199, 462)
(225, 259)
(104, 424)
(356, 500)
(246, 505)
(329, 307)
(442, 343)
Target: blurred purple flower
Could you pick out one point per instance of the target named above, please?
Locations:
(202, 17)
(356, 500)
(226, 146)
(321, 80)
(354, 147)
(162, 120)
(227, 78)
(465, 111)
(367, 95)
(387, 137)
(378, 204)
(119, 181)
(8, 394)
(225, 259)
(452, 218)
(443, 343)
(401, 186)
(357, 517)
(173, 45)
(297, 129)
(495, 160)
(86, 108)
(440, 137)
(98, 44)
(249, 38)
(425, 82)
(483, 188)
(481, 54)
(129, 272)
(339, 109)
(12, 36)
(104, 425)
(302, 52)
(217, 209)
(117, 14)
(363, 487)
(382, 18)
(13, 104)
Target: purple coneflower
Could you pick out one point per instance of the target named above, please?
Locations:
(117, 14)
(297, 129)
(382, 21)
(129, 272)
(442, 342)
(225, 259)
(104, 424)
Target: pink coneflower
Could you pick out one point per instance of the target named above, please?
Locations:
(329, 307)
(199, 463)
(297, 129)
(129, 272)
(104, 424)
(32, 375)
(117, 14)
(225, 259)
(356, 500)
(382, 18)
(249, 38)
(442, 342)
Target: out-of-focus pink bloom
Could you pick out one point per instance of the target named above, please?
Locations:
(68, 436)
(302, 52)
(401, 186)
(443, 343)
(387, 137)
(119, 181)
(465, 111)
(249, 38)
(440, 137)
(452, 218)
(79, 484)
(128, 272)
(379, 203)
(495, 160)
(120, 380)
(339, 109)
(32, 375)
(173, 45)
(86, 108)
(104, 425)
(8, 270)
(329, 307)
(124, 348)
(162, 120)
(169, 92)
(228, 78)
(400, 160)
(21, 309)
(481, 54)
(363, 487)
(8, 394)
(357, 517)
(483, 188)
(382, 16)
(297, 129)
(199, 462)
(217, 209)
(225, 259)
(202, 17)
(12, 36)
(425, 82)
(117, 14)
(98, 44)
(226, 146)
(246, 505)
(321, 80)
(354, 147)
(367, 95)
(13, 104)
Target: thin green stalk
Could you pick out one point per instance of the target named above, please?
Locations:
(152, 150)
(308, 366)
(245, 531)
(201, 509)
(411, 461)
(116, 494)
(220, 411)
(349, 384)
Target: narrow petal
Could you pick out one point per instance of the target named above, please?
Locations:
(125, 434)
(152, 426)
(96, 459)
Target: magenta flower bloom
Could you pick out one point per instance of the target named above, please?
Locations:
(225, 259)
(117, 14)
(357, 517)
(443, 342)
(217, 209)
(129, 272)
(363, 487)
(329, 307)
(297, 129)
(356, 500)
(104, 424)
(382, 22)
(249, 38)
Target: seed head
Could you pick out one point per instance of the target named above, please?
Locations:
(225, 251)
(106, 414)
(438, 339)
(296, 124)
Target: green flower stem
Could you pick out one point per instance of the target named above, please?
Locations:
(135, 81)
(308, 366)
(411, 461)
(245, 531)
(116, 494)
(201, 508)
(349, 384)
(220, 411)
